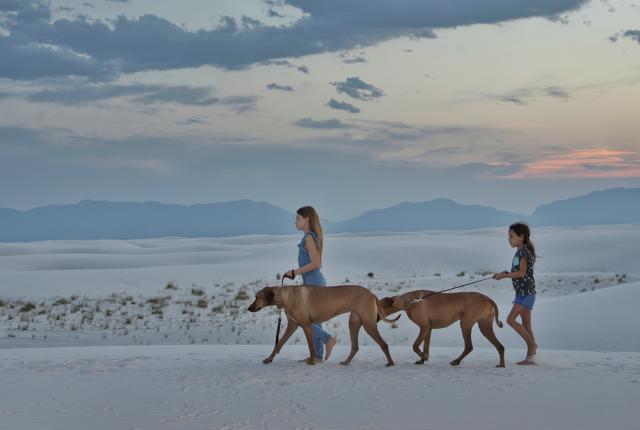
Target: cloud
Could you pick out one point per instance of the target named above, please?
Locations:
(358, 89)
(274, 86)
(240, 104)
(559, 19)
(629, 34)
(39, 46)
(272, 13)
(354, 60)
(302, 68)
(190, 121)
(513, 99)
(524, 96)
(335, 104)
(33, 61)
(182, 94)
(558, 93)
(141, 94)
(321, 124)
(420, 14)
(580, 163)
(632, 34)
(155, 154)
(366, 140)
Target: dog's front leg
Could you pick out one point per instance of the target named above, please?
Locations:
(312, 349)
(292, 326)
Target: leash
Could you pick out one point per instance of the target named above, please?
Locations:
(426, 296)
(280, 311)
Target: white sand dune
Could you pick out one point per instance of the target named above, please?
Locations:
(200, 368)
(95, 268)
(226, 387)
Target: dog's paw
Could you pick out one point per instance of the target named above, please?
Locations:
(455, 363)
(267, 360)
(419, 362)
(390, 364)
(344, 363)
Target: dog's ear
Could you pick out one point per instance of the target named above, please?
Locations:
(269, 296)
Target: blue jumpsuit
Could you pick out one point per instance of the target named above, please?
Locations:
(313, 277)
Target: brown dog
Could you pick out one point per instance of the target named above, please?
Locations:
(442, 310)
(312, 304)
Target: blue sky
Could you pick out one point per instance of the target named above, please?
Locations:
(347, 105)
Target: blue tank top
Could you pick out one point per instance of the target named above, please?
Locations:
(315, 276)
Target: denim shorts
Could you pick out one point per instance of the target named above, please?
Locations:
(526, 300)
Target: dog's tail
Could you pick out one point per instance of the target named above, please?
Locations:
(381, 315)
(495, 309)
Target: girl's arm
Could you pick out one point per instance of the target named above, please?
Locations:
(313, 256)
(519, 274)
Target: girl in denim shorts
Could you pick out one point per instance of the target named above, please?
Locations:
(524, 284)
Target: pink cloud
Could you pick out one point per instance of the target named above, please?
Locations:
(582, 163)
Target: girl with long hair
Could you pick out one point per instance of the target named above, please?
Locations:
(309, 262)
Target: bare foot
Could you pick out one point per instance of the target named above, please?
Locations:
(527, 361)
(304, 360)
(330, 344)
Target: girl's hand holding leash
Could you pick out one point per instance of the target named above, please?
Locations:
(498, 276)
(290, 274)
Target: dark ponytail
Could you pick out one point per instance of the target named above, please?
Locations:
(522, 229)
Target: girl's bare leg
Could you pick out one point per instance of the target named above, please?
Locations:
(526, 323)
(519, 328)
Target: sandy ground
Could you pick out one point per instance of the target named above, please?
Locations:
(154, 334)
(226, 387)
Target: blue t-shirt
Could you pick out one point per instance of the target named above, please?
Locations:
(526, 285)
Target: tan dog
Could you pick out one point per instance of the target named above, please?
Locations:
(311, 304)
(442, 310)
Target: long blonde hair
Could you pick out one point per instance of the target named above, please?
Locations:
(314, 226)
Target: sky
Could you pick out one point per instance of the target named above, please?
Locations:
(347, 105)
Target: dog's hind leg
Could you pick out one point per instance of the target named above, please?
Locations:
(291, 328)
(425, 338)
(354, 328)
(427, 342)
(422, 336)
(466, 327)
(372, 330)
(486, 328)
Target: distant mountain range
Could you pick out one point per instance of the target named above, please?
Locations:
(613, 206)
(439, 214)
(90, 219)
